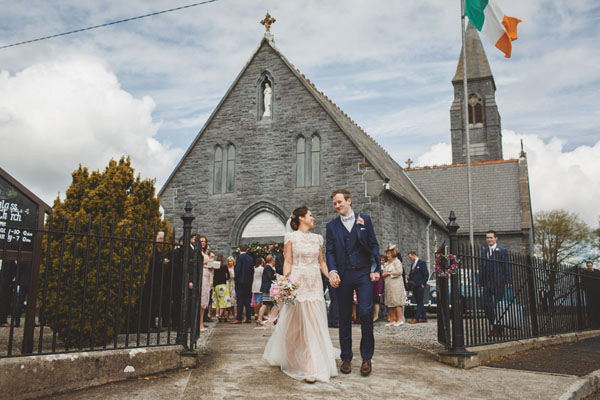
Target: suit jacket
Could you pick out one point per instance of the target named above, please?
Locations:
(494, 271)
(357, 248)
(244, 269)
(419, 275)
(267, 278)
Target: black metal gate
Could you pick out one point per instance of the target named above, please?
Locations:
(103, 286)
(524, 297)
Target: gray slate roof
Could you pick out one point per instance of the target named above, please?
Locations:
(496, 194)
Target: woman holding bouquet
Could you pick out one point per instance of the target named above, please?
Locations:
(300, 343)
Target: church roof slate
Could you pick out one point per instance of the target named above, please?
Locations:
(495, 187)
(401, 185)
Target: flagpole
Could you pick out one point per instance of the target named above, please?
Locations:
(466, 119)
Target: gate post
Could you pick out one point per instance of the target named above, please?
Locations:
(458, 332)
(532, 296)
(579, 299)
(187, 219)
(458, 356)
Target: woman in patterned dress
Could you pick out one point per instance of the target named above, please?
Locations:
(221, 297)
(231, 284)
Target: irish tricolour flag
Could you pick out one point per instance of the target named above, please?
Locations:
(487, 17)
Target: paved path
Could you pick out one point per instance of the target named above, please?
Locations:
(232, 368)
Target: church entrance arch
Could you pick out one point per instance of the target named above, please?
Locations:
(262, 222)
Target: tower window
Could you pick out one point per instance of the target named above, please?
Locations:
(475, 110)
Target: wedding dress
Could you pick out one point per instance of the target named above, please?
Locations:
(300, 343)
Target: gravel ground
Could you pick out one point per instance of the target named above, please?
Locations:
(422, 336)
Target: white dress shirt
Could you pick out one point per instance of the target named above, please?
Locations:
(348, 221)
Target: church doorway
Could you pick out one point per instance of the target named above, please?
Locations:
(264, 227)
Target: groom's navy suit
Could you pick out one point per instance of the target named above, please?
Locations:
(354, 255)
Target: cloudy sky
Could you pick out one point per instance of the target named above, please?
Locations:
(145, 88)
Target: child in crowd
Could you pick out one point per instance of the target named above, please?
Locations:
(256, 284)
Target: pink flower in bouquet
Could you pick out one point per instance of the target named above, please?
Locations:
(274, 291)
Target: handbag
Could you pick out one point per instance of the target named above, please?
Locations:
(509, 314)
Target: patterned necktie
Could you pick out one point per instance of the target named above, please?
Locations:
(348, 218)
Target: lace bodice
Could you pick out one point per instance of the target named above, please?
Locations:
(305, 264)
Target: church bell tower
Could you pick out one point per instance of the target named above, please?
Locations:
(484, 119)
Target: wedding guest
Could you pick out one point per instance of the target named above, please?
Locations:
(267, 279)
(417, 280)
(7, 284)
(154, 285)
(221, 296)
(231, 284)
(494, 278)
(256, 283)
(395, 295)
(244, 272)
(176, 284)
(377, 291)
(206, 273)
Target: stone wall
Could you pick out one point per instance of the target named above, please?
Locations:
(408, 230)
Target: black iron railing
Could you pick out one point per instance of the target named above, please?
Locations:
(100, 286)
(511, 296)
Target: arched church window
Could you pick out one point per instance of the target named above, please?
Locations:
(315, 157)
(230, 176)
(265, 96)
(300, 161)
(218, 170)
(475, 110)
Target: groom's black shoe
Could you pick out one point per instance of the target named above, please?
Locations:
(365, 368)
(346, 367)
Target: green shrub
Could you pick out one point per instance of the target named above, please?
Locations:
(94, 281)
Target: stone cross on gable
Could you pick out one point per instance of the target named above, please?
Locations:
(268, 21)
(408, 163)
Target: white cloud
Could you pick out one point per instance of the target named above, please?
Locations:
(557, 178)
(439, 154)
(58, 114)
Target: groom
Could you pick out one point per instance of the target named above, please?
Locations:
(354, 264)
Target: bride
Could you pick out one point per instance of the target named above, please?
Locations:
(300, 343)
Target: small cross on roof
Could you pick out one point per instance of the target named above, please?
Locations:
(268, 21)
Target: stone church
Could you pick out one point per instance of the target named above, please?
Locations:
(275, 142)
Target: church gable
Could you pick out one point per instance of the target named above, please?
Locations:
(291, 155)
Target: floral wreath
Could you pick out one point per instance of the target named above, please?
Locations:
(263, 250)
(446, 265)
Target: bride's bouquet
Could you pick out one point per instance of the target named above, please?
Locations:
(283, 290)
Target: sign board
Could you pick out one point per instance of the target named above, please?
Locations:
(18, 218)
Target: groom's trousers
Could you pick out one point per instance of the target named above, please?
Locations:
(359, 280)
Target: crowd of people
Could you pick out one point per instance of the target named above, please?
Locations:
(236, 289)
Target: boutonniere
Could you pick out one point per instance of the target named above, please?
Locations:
(360, 221)
(497, 249)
